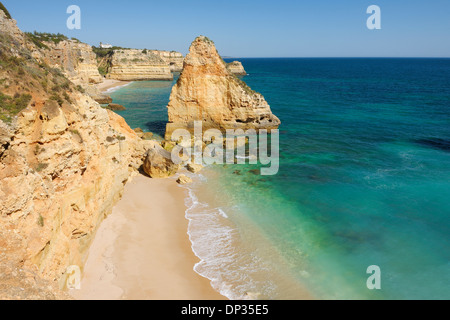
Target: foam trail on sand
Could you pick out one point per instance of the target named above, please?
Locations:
(113, 89)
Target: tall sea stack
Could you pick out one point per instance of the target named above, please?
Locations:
(207, 91)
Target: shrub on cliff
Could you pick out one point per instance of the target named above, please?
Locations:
(38, 38)
(2, 7)
(11, 106)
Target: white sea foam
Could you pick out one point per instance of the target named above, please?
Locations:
(222, 213)
(233, 271)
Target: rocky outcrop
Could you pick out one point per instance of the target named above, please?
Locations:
(61, 176)
(115, 107)
(236, 68)
(158, 162)
(172, 58)
(5, 138)
(194, 168)
(135, 65)
(207, 91)
(9, 26)
(182, 179)
(74, 58)
(64, 163)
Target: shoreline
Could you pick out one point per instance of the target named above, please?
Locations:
(108, 84)
(142, 251)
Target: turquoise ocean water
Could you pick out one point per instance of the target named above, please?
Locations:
(364, 180)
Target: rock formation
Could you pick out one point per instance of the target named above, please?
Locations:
(158, 162)
(76, 59)
(236, 68)
(172, 58)
(207, 91)
(194, 168)
(134, 65)
(64, 162)
(9, 26)
(182, 179)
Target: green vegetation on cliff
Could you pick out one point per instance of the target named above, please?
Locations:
(38, 38)
(24, 80)
(104, 56)
(11, 106)
(105, 52)
(2, 7)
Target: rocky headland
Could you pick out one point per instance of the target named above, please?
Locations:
(207, 91)
(236, 68)
(64, 161)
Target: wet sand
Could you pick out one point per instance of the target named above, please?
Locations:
(109, 84)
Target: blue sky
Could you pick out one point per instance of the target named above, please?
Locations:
(248, 28)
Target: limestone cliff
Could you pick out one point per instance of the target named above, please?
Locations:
(76, 59)
(172, 58)
(207, 91)
(236, 68)
(134, 65)
(64, 162)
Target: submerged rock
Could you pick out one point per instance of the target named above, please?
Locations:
(102, 99)
(194, 168)
(116, 107)
(147, 136)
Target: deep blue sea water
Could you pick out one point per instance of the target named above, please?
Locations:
(364, 180)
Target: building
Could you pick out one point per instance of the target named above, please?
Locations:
(105, 46)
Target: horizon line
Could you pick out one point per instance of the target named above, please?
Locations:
(331, 57)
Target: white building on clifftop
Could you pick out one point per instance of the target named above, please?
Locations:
(105, 46)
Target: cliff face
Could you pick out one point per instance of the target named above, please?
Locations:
(172, 58)
(134, 65)
(207, 91)
(77, 60)
(64, 162)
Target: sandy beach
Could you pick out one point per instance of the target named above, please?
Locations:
(142, 250)
(108, 84)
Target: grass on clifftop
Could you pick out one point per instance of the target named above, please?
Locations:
(38, 38)
(11, 106)
(2, 7)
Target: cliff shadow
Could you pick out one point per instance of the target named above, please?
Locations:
(157, 127)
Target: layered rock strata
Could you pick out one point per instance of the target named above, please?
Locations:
(64, 161)
(135, 65)
(208, 92)
(77, 60)
(236, 68)
(172, 58)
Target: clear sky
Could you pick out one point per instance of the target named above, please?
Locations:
(249, 28)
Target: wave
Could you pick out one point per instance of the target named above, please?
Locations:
(233, 271)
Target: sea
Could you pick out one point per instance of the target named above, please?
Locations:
(364, 180)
